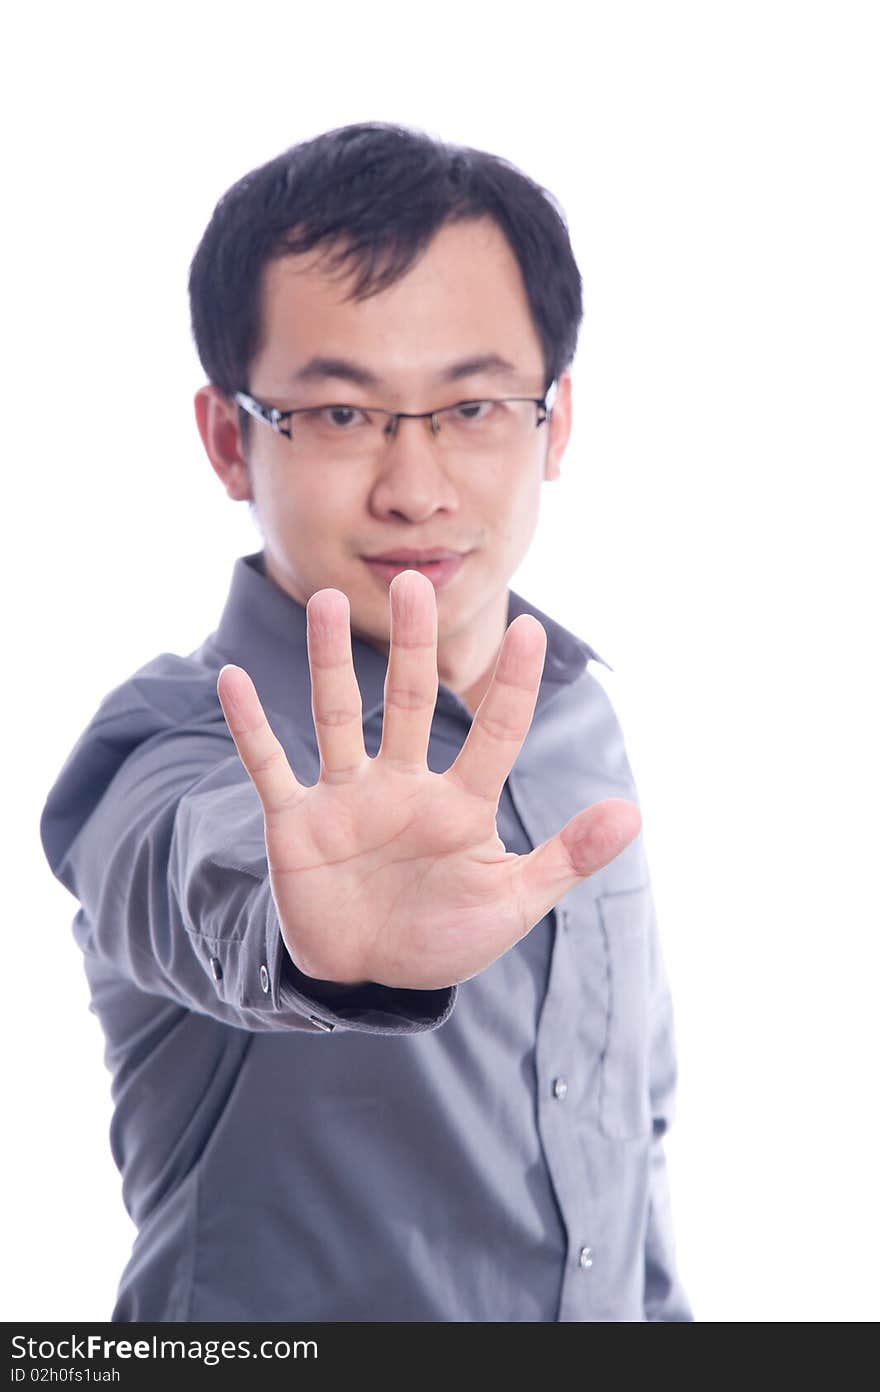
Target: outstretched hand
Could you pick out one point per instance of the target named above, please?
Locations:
(384, 871)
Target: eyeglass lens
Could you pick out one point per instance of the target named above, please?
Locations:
(472, 426)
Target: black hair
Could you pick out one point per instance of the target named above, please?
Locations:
(373, 194)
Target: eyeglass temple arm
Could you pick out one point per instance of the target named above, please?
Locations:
(255, 408)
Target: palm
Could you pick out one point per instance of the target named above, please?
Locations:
(383, 870)
(408, 864)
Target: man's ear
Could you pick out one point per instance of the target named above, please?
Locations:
(558, 427)
(217, 420)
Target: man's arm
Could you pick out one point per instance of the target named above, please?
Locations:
(155, 827)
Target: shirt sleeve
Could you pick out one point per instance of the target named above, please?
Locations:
(665, 1298)
(167, 858)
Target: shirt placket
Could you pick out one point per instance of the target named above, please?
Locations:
(561, 1108)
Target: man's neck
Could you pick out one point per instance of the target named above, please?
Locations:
(466, 662)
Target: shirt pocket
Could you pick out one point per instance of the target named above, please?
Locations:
(624, 1083)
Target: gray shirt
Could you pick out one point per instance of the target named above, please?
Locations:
(290, 1151)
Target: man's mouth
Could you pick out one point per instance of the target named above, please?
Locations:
(439, 571)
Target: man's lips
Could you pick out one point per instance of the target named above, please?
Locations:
(438, 571)
(417, 555)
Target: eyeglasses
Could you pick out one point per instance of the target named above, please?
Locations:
(479, 426)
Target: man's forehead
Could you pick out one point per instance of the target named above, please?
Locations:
(461, 259)
(462, 305)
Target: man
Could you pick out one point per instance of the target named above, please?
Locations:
(364, 909)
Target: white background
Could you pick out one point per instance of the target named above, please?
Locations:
(713, 534)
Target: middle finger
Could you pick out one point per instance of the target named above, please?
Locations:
(411, 680)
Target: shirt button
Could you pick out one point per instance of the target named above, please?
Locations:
(216, 969)
(560, 1087)
(322, 1024)
(585, 1257)
(264, 978)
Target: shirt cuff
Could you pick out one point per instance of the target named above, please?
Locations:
(370, 1008)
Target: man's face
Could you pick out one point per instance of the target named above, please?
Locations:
(463, 299)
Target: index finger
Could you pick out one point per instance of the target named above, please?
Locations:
(258, 747)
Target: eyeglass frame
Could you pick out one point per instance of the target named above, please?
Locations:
(273, 416)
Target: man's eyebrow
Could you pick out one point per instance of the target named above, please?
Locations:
(317, 368)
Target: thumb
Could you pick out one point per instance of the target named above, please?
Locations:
(584, 845)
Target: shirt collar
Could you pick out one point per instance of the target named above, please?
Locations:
(263, 629)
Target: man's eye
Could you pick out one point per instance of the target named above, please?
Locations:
(473, 410)
(342, 417)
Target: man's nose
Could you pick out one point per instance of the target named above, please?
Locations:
(412, 472)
